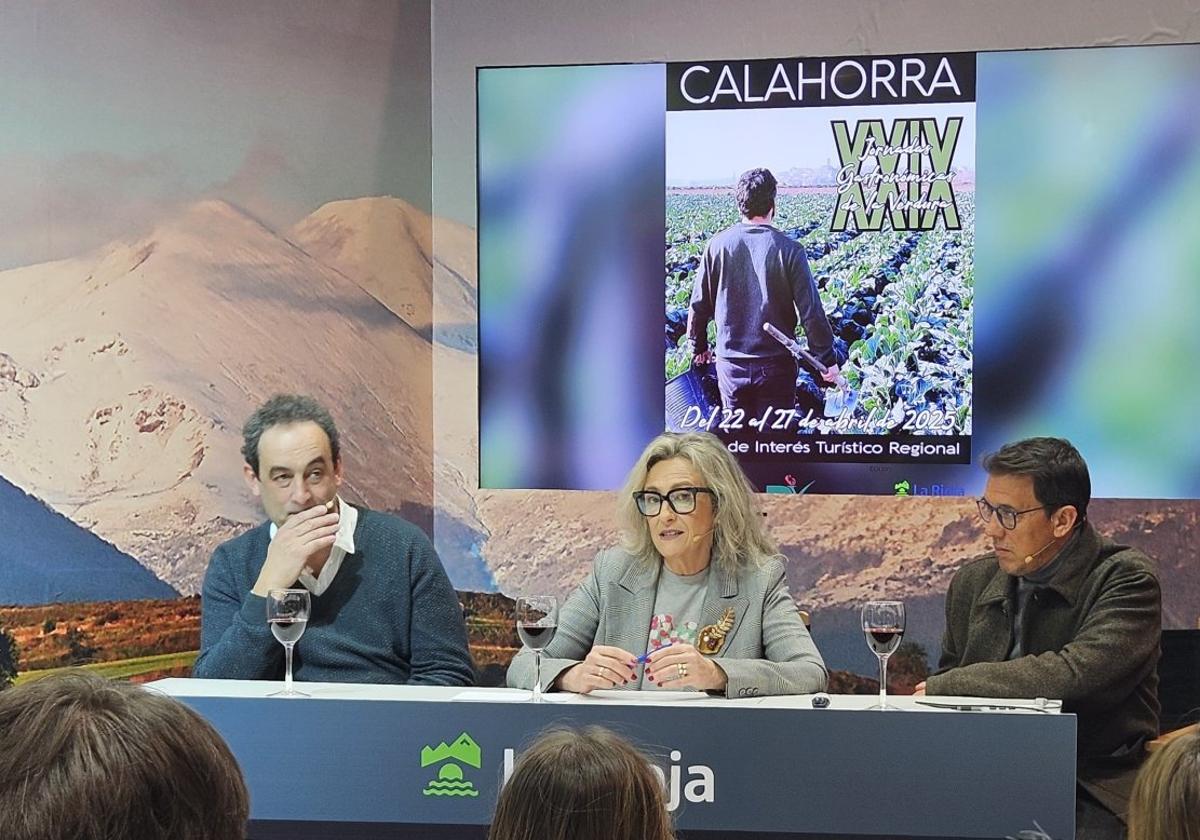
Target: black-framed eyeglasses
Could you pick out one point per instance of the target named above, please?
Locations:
(681, 500)
(1006, 516)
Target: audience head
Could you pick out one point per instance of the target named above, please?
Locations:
(92, 759)
(1165, 804)
(727, 510)
(584, 784)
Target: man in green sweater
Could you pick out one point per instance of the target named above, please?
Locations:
(383, 609)
(1057, 611)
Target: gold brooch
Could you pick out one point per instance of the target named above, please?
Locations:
(713, 636)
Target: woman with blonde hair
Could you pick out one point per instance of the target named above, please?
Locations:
(582, 785)
(697, 584)
(1165, 804)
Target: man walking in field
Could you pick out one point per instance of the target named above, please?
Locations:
(751, 274)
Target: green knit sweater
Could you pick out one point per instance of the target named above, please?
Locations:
(389, 616)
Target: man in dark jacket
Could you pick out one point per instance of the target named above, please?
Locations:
(1057, 611)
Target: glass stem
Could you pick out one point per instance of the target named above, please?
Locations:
(883, 682)
(287, 674)
(537, 678)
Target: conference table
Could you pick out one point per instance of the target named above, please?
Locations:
(374, 761)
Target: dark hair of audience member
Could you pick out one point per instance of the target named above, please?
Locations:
(1165, 804)
(87, 758)
(584, 784)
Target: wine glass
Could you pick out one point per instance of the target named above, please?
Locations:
(883, 625)
(287, 613)
(537, 619)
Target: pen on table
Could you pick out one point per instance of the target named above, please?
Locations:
(645, 657)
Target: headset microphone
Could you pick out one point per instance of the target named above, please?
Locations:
(699, 537)
(1029, 557)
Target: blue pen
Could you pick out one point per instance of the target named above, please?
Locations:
(645, 657)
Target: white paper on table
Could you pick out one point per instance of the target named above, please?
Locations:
(507, 695)
(483, 695)
(648, 697)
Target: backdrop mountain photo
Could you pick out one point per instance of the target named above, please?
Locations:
(126, 372)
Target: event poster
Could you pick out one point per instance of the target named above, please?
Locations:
(874, 160)
(950, 337)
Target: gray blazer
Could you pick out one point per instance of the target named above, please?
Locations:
(768, 650)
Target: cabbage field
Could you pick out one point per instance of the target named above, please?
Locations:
(899, 303)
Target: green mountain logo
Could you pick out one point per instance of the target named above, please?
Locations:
(450, 780)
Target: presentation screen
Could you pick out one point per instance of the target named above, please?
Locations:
(861, 273)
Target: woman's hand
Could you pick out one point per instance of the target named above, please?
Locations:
(604, 667)
(682, 666)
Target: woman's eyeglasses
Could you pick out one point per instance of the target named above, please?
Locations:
(681, 500)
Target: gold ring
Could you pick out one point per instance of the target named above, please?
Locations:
(682, 670)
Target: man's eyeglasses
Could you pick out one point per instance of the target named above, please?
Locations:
(1006, 516)
(681, 500)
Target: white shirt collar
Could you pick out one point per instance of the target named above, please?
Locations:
(343, 544)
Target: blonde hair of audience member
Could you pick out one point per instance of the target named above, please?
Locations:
(584, 784)
(92, 759)
(1165, 804)
(739, 532)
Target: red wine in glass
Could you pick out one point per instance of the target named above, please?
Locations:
(537, 619)
(536, 636)
(883, 641)
(883, 626)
